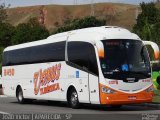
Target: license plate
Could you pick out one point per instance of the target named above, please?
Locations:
(132, 97)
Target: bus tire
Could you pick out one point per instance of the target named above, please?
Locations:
(19, 96)
(73, 99)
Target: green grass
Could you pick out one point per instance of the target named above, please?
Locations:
(157, 96)
(154, 77)
(156, 99)
(156, 86)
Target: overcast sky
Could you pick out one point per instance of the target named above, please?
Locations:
(17, 3)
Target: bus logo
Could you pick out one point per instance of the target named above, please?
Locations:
(44, 79)
(130, 80)
(77, 74)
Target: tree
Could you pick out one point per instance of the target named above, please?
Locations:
(3, 13)
(31, 31)
(148, 25)
(147, 21)
(156, 33)
(80, 23)
(1, 54)
(6, 33)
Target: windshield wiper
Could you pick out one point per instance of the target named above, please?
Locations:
(141, 73)
(116, 70)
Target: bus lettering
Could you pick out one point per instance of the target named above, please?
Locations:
(44, 77)
(9, 72)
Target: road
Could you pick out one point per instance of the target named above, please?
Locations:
(10, 105)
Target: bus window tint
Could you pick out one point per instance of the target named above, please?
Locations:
(83, 55)
(36, 54)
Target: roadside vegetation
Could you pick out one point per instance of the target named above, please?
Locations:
(148, 28)
(148, 23)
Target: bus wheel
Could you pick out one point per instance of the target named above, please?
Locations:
(73, 99)
(20, 97)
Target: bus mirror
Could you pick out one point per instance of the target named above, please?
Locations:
(100, 49)
(154, 47)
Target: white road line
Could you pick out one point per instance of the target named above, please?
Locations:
(1, 112)
(3, 96)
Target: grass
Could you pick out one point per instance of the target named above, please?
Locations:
(157, 96)
(156, 91)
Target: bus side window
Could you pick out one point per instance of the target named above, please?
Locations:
(77, 54)
(52, 52)
(93, 67)
(83, 55)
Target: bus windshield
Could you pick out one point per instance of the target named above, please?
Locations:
(125, 59)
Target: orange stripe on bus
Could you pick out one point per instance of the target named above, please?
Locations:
(101, 53)
(120, 98)
(156, 55)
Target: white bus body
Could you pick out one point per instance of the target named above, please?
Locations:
(78, 67)
(0, 80)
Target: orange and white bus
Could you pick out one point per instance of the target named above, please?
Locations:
(101, 65)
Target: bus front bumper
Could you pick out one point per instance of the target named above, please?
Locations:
(120, 98)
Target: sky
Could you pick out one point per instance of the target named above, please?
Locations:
(20, 3)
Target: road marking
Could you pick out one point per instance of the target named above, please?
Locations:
(1, 112)
(3, 96)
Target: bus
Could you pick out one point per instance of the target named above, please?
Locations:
(105, 65)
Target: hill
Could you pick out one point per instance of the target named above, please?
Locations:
(53, 15)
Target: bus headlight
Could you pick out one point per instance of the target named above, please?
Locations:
(150, 89)
(107, 90)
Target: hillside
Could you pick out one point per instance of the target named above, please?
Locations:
(54, 15)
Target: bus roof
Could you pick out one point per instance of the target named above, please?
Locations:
(108, 32)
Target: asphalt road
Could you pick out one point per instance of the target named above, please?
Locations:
(10, 106)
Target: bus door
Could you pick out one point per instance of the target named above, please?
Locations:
(82, 57)
(78, 68)
(93, 76)
(94, 89)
